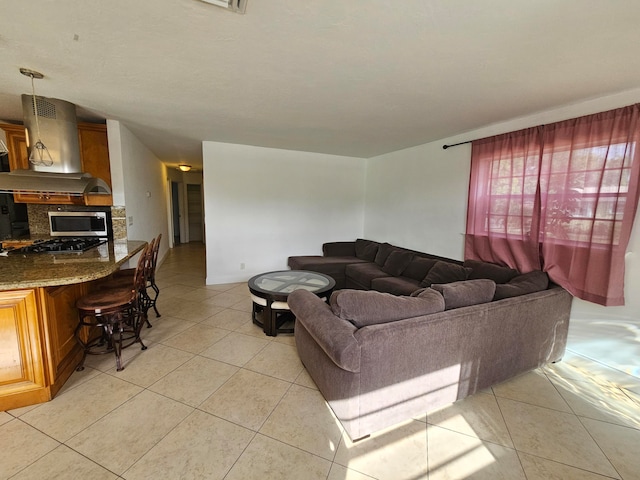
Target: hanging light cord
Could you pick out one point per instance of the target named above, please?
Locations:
(40, 148)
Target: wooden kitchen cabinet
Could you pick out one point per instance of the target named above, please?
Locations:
(38, 349)
(23, 376)
(94, 155)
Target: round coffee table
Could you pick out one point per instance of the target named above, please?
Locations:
(269, 292)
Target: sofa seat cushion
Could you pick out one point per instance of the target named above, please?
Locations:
(369, 307)
(397, 262)
(395, 285)
(366, 249)
(445, 272)
(466, 293)
(497, 273)
(530, 282)
(363, 273)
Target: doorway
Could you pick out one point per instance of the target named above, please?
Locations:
(194, 209)
(175, 211)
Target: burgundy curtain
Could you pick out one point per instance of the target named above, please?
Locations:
(561, 198)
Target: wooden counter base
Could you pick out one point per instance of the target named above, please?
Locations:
(38, 316)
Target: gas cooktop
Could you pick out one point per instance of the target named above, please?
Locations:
(62, 245)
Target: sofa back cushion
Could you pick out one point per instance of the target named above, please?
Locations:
(531, 282)
(366, 249)
(384, 250)
(465, 293)
(497, 273)
(418, 268)
(396, 262)
(445, 272)
(368, 307)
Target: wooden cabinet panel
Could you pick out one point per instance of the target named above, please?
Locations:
(61, 316)
(17, 145)
(94, 155)
(22, 370)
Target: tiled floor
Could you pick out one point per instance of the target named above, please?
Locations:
(214, 398)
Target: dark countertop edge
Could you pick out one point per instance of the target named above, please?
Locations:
(95, 275)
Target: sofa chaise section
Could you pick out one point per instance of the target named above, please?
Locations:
(378, 375)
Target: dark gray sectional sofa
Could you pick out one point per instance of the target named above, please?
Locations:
(392, 345)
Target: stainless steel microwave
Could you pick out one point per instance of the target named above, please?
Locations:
(79, 224)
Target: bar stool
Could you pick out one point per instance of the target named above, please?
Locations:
(111, 319)
(123, 277)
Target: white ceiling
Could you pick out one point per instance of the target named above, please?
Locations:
(358, 78)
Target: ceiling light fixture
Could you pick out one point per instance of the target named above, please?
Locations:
(184, 167)
(39, 152)
(238, 6)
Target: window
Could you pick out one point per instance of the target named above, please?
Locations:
(560, 197)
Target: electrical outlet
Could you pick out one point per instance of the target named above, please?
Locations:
(130, 221)
(242, 266)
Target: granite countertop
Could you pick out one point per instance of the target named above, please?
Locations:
(18, 271)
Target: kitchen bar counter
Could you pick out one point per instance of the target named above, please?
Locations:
(38, 316)
(18, 271)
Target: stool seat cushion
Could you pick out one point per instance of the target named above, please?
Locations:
(105, 301)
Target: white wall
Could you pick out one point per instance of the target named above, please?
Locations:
(263, 205)
(418, 198)
(139, 183)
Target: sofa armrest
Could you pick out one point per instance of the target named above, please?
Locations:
(333, 334)
(339, 249)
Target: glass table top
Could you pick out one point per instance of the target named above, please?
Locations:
(287, 281)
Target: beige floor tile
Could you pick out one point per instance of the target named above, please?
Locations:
(235, 348)
(199, 294)
(338, 472)
(196, 311)
(250, 328)
(222, 287)
(399, 452)
(5, 417)
(305, 380)
(78, 378)
(18, 412)
(477, 416)
(534, 388)
(554, 435)
(202, 446)
(454, 455)
(244, 306)
(537, 468)
(620, 445)
(194, 381)
(278, 360)
(241, 289)
(632, 395)
(224, 299)
(228, 319)
(304, 420)
(121, 438)
(148, 366)
(266, 458)
(163, 329)
(285, 338)
(193, 279)
(64, 463)
(196, 338)
(247, 398)
(70, 413)
(177, 289)
(20, 446)
(600, 402)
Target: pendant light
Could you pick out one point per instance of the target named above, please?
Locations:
(39, 152)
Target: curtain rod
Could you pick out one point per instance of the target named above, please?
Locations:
(444, 147)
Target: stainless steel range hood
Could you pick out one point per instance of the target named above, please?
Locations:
(58, 129)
